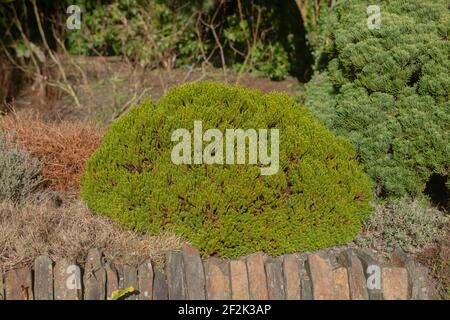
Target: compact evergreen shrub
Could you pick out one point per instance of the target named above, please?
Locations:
(318, 198)
(20, 175)
(403, 223)
(387, 89)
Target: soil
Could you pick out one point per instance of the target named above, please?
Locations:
(108, 86)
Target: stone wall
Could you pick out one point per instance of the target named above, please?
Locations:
(338, 274)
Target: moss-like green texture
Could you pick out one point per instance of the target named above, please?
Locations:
(318, 198)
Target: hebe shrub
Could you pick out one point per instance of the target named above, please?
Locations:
(20, 175)
(318, 198)
(387, 89)
(403, 223)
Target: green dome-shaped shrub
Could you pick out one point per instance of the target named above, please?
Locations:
(318, 198)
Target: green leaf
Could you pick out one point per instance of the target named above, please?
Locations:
(21, 50)
(116, 295)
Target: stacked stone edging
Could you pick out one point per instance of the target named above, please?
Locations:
(350, 274)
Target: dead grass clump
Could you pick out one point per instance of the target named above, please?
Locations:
(69, 232)
(62, 147)
(437, 258)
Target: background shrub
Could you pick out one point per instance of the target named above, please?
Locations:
(19, 173)
(387, 90)
(318, 198)
(403, 223)
(63, 147)
(257, 36)
(262, 37)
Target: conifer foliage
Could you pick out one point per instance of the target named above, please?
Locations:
(387, 89)
(318, 198)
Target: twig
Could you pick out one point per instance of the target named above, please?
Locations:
(26, 41)
(71, 60)
(52, 56)
(252, 48)
(211, 26)
(127, 105)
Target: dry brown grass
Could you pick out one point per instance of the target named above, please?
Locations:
(62, 147)
(437, 258)
(69, 232)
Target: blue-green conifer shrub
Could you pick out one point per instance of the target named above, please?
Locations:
(386, 88)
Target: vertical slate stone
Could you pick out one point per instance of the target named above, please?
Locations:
(239, 280)
(341, 286)
(43, 278)
(395, 283)
(420, 285)
(305, 280)
(18, 284)
(218, 286)
(423, 286)
(145, 278)
(306, 289)
(112, 279)
(194, 273)
(275, 281)
(175, 276)
(371, 267)
(94, 277)
(160, 290)
(356, 275)
(119, 269)
(291, 272)
(399, 258)
(2, 287)
(257, 277)
(130, 279)
(321, 274)
(67, 281)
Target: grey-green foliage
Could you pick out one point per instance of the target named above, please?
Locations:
(387, 89)
(20, 174)
(403, 223)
